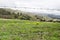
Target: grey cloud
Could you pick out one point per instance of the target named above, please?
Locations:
(53, 4)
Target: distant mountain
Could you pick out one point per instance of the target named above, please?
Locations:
(51, 16)
(54, 16)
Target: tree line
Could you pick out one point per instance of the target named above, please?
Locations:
(13, 14)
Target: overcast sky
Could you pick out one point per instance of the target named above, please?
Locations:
(51, 4)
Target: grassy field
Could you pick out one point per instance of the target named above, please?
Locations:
(13, 29)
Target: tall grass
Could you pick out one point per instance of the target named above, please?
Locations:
(14, 29)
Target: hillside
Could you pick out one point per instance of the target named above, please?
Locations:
(18, 14)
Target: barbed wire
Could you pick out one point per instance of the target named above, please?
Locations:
(32, 8)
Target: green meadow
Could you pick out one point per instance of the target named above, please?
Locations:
(15, 29)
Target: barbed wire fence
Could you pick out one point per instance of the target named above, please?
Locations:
(31, 8)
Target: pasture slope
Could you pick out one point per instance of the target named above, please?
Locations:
(14, 29)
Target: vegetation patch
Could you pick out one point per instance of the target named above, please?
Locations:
(14, 29)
